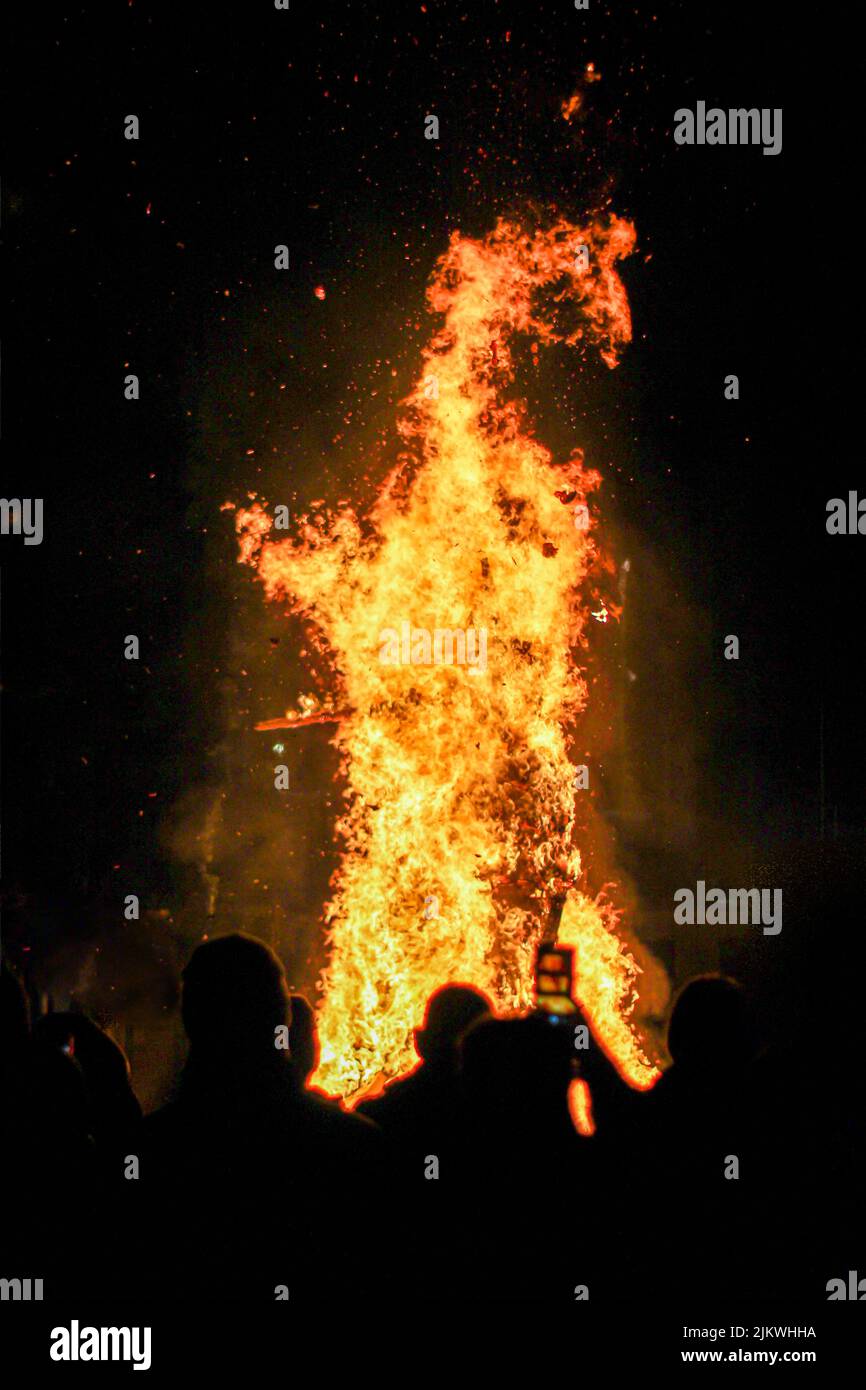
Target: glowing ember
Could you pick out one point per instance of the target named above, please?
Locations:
(571, 106)
(300, 722)
(456, 623)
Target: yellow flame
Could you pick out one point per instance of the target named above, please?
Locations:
(460, 793)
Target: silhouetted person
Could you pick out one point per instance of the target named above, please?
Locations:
(529, 1195)
(113, 1112)
(695, 1150)
(420, 1118)
(48, 1157)
(417, 1113)
(701, 1097)
(250, 1183)
(808, 1083)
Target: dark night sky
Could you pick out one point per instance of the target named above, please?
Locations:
(307, 128)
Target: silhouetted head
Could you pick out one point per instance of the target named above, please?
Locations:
(303, 1041)
(450, 1011)
(710, 1028)
(234, 997)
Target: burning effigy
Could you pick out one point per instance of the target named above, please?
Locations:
(458, 836)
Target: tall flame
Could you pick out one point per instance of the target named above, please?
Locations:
(460, 811)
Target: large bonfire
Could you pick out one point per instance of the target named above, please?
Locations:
(459, 829)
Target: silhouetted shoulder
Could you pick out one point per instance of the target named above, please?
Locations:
(328, 1119)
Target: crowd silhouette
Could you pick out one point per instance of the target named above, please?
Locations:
(466, 1179)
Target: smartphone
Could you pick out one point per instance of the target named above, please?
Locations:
(554, 979)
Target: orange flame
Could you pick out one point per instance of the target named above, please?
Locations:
(460, 816)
